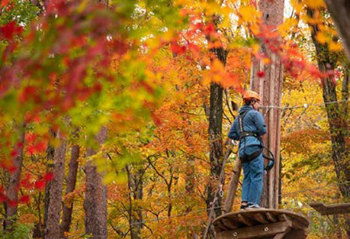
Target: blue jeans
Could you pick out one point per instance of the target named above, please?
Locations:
(253, 180)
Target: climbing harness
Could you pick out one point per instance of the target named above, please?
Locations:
(250, 157)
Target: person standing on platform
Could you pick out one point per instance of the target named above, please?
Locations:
(248, 128)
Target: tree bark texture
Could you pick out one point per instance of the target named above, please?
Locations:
(95, 204)
(336, 119)
(52, 229)
(71, 182)
(215, 132)
(270, 89)
(135, 185)
(189, 188)
(12, 187)
(340, 12)
(49, 166)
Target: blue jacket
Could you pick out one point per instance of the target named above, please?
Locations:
(253, 122)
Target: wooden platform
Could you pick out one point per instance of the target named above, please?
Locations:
(261, 223)
(341, 208)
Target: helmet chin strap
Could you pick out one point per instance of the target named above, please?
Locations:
(253, 103)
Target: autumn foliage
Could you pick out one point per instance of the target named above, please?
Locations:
(143, 69)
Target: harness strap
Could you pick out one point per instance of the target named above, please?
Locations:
(243, 134)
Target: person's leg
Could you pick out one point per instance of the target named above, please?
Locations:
(245, 185)
(256, 169)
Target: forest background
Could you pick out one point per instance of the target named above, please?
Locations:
(106, 107)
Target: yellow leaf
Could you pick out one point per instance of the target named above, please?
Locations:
(266, 60)
(109, 177)
(287, 26)
(315, 3)
(321, 38)
(335, 46)
(248, 13)
(217, 66)
(255, 29)
(297, 5)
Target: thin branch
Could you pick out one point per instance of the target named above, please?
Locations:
(156, 170)
(228, 105)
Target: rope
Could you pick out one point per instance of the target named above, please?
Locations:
(302, 106)
(218, 192)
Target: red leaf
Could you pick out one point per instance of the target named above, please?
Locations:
(9, 30)
(2, 197)
(30, 137)
(24, 199)
(14, 153)
(156, 120)
(40, 184)
(20, 144)
(26, 182)
(209, 28)
(261, 74)
(147, 87)
(40, 147)
(12, 169)
(4, 2)
(176, 48)
(31, 149)
(28, 92)
(12, 203)
(49, 176)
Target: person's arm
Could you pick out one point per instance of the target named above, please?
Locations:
(260, 123)
(233, 134)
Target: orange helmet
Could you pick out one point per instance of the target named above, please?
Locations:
(251, 95)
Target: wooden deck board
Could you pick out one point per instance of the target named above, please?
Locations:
(245, 221)
(270, 217)
(340, 208)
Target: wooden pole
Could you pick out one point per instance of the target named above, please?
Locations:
(236, 172)
(270, 89)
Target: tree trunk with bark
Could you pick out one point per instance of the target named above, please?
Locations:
(135, 185)
(95, 204)
(340, 12)
(52, 229)
(270, 89)
(215, 133)
(189, 188)
(336, 114)
(12, 187)
(71, 182)
(49, 166)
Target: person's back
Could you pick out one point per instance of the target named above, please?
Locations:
(248, 127)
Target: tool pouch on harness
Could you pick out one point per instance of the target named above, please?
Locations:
(247, 158)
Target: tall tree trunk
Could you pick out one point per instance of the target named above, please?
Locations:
(215, 132)
(270, 89)
(95, 204)
(336, 116)
(135, 185)
(71, 182)
(12, 188)
(340, 12)
(189, 188)
(52, 229)
(50, 151)
(336, 120)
